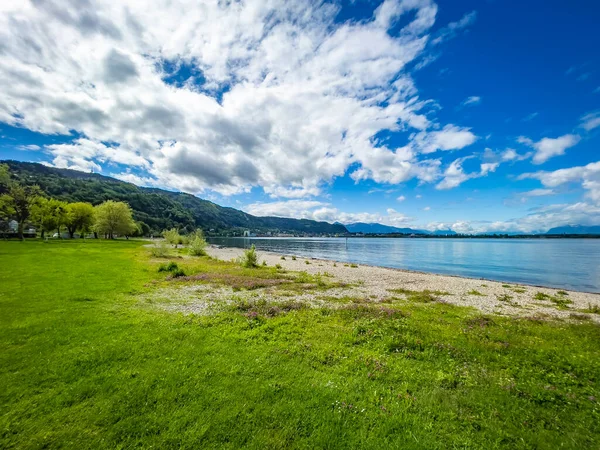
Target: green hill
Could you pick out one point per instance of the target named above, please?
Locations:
(158, 208)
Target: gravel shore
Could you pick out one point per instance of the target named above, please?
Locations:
(377, 283)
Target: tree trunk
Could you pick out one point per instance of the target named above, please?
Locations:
(20, 230)
(43, 231)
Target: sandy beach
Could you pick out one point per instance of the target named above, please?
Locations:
(378, 284)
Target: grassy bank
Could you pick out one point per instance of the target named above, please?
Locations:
(87, 361)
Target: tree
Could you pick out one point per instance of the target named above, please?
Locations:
(80, 217)
(4, 175)
(49, 214)
(113, 218)
(172, 237)
(18, 200)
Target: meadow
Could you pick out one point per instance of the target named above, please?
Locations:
(86, 362)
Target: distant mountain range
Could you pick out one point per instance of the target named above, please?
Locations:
(377, 228)
(575, 229)
(157, 208)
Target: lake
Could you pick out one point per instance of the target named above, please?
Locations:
(561, 263)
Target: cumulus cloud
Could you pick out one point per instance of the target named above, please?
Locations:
(588, 176)
(282, 96)
(550, 147)
(322, 211)
(455, 175)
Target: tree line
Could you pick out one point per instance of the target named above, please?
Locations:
(27, 204)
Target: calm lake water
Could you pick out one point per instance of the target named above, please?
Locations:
(562, 263)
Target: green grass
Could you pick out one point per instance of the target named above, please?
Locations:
(474, 292)
(85, 364)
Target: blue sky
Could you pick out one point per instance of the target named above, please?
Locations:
(471, 115)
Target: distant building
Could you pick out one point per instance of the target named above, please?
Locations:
(13, 226)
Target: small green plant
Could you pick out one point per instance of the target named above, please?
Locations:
(178, 273)
(172, 267)
(249, 259)
(197, 243)
(518, 290)
(307, 262)
(506, 286)
(354, 266)
(278, 266)
(282, 258)
(562, 293)
(541, 296)
(561, 302)
(334, 265)
(264, 263)
(474, 292)
(594, 309)
(504, 298)
(293, 258)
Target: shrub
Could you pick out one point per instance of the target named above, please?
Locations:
(172, 266)
(160, 250)
(293, 258)
(307, 262)
(197, 244)
(178, 273)
(278, 266)
(282, 258)
(249, 259)
(172, 237)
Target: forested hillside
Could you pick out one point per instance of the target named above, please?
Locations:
(158, 208)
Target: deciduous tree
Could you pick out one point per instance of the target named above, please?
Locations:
(80, 217)
(113, 218)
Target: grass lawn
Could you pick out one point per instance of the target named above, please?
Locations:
(84, 363)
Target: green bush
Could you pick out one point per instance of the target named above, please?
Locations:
(171, 267)
(172, 237)
(160, 250)
(197, 244)
(178, 273)
(250, 258)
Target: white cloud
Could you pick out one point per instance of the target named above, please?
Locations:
(471, 101)
(317, 210)
(588, 176)
(29, 147)
(531, 116)
(451, 137)
(455, 175)
(277, 95)
(590, 121)
(401, 198)
(550, 147)
(538, 193)
(511, 155)
(452, 28)
(427, 208)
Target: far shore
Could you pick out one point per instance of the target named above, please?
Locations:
(376, 283)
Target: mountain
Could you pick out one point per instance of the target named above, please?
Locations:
(575, 229)
(158, 208)
(444, 233)
(377, 228)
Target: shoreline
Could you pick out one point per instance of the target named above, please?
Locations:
(490, 296)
